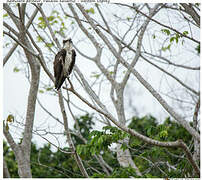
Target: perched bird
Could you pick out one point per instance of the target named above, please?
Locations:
(64, 63)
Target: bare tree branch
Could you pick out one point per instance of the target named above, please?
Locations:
(15, 45)
(171, 63)
(183, 35)
(69, 140)
(190, 10)
(169, 109)
(174, 77)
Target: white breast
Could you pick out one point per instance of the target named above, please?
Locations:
(68, 60)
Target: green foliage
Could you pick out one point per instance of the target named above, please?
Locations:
(9, 157)
(58, 24)
(51, 19)
(91, 10)
(173, 38)
(142, 124)
(146, 155)
(52, 164)
(120, 172)
(86, 124)
(100, 141)
(151, 160)
(42, 23)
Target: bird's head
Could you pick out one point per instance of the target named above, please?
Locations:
(67, 43)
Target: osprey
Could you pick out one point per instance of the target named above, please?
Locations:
(64, 63)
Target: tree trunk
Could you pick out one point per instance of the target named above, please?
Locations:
(124, 157)
(6, 173)
(24, 168)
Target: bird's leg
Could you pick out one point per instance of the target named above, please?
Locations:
(71, 85)
(67, 75)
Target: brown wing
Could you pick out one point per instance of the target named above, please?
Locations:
(58, 69)
(73, 61)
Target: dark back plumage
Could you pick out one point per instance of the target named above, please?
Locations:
(59, 62)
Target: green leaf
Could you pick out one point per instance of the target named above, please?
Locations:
(172, 39)
(41, 91)
(177, 36)
(176, 39)
(16, 69)
(50, 18)
(135, 142)
(49, 88)
(85, 150)
(149, 131)
(79, 149)
(10, 118)
(49, 44)
(166, 31)
(128, 18)
(198, 49)
(42, 23)
(100, 140)
(39, 39)
(41, 19)
(182, 41)
(124, 147)
(5, 15)
(185, 33)
(95, 75)
(54, 22)
(154, 36)
(60, 18)
(91, 10)
(93, 151)
(111, 72)
(166, 48)
(163, 48)
(163, 134)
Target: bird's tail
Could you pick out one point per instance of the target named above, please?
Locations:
(59, 82)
